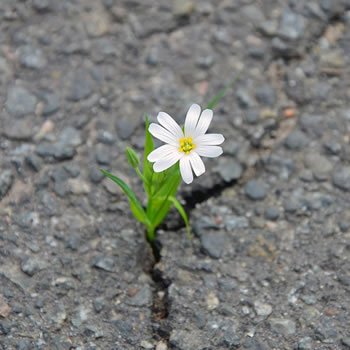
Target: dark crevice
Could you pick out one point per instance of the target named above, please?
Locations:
(161, 306)
(201, 194)
(160, 301)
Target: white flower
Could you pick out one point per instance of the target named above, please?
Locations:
(186, 146)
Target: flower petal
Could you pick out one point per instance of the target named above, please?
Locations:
(170, 124)
(161, 152)
(185, 170)
(204, 122)
(192, 119)
(209, 140)
(209, 151)
(166, 162)
(162, 134)
(197, 164)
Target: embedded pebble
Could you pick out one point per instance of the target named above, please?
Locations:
(6, 181)
(20, 102)
(283, 326)
(256, 189)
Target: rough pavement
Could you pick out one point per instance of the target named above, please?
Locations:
(268, 267)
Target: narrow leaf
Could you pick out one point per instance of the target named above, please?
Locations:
(178, 206)
(220, 95)
(135, 204)
(148, 172)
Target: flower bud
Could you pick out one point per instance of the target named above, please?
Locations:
(132, 157)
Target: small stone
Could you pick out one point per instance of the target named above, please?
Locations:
(95, 175)
(104, 263)
(182, 8)
(78, 186)
(268, 28)
(99, 304)
(229, 169)
(41, 5)
(70, 137)
(27, 219)
(64, 152)
(313, 124)
(333, 147)
(262, 309)
(59, 174)
(292, 204)
(72, 169)
(51, 103)
(256, 189)
(266, 95)
(252, 13)
(19, 130)
(292, 25)
(162, 346)
(20, 102)
(244, 99)
(34, 162)
(6, 181)
(283, 326)
(93, 331)
(202, 224)
(326, 331)
(4, 308)
(146, 345)
(230, 339)
(305, 344)
(73, 242)
(32, 265)
(344, 279)
(341, 178)
(103, 155)
(284, 49)
(5, 327)
(81, 86)
(31, 57)
(105, 137)
(251, 116)
(296, 140)
(81, 315)
(213, 244)
(212, 301)
(332, 60)
(272, 213)
(125, 128)
(143, 297)
(236, 222)
(97, 23)
(346, 341)
(319, 165)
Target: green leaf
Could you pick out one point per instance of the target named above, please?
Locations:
(160, 205)
(132, 157)
(135, 205)
(178, 206)
(148, 172)
(220, 95)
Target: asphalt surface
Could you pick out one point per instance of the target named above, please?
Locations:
(268, 266)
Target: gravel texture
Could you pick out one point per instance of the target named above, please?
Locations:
(268, 265)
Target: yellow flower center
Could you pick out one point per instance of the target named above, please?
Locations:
(186, 145)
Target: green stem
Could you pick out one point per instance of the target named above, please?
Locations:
(138, 172)
(150, 234)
